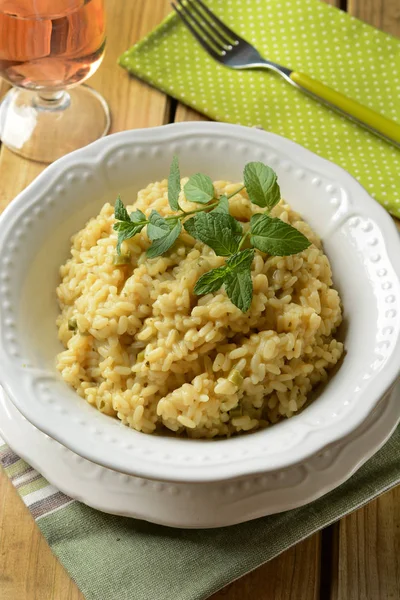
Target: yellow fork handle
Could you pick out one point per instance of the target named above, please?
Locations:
(363, 115)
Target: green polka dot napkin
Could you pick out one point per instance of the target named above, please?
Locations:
(305, 35)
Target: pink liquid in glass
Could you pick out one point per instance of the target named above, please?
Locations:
(50, 44)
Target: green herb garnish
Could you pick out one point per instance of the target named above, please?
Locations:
(261, 184)
(162, 244)
(272, 235)
(174, 184)
(122, 259)
(236, 278)
(199, 189)
(158, 227)
(72, 325)
(235, 377)
(222, 206)
(213, 225)
(218, 230)
(128, 225)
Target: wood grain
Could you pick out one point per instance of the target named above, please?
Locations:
(383, 14)
(294, 575)
(185, 113)
(369, 551)
(28, 569)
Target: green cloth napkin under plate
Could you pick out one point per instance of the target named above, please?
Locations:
(115, 558)
(306, 35)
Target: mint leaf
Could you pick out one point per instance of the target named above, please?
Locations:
(162, 244)
(174, 184)
(261, 185)
(241, 261)
(137, 216)
(272, 235)
(199, 189)
(190, 227)
(223, 206)
(158, 227)
(210, 282)
(239, 288)
(219, 231)
(121, 214)
(238, 282)
(126, 231)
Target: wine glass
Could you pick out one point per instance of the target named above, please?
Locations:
(47, 48)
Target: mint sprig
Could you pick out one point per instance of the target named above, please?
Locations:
(213, 225)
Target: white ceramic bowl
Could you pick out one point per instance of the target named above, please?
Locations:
(359, 238)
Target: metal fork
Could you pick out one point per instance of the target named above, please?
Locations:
(228, 48)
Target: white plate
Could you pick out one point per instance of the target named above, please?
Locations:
(197, 505)
(359, 237)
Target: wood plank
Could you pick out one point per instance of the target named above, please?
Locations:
(185, 113)
(383, 14)
(368, 541)
(294, 575)
(16, 173)
(132, 103)
(28, 569)
(369, 550)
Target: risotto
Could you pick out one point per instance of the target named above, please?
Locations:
(142, 347)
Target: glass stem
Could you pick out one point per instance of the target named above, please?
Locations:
(52, 100)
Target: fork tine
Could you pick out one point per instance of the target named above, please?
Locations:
(212, 38)
(228, 42)
(195, 34)
(231, 34)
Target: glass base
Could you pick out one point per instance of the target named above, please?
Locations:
(47, 126)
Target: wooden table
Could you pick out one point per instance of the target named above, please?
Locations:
(355, 559)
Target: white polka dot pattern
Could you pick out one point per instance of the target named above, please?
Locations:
(305, 35)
